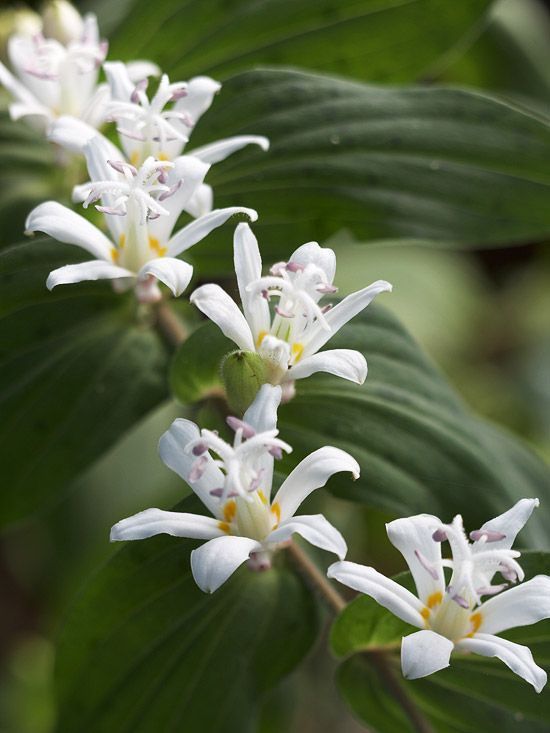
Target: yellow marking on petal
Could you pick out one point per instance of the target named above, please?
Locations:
(229, 510)
(154, 244)
(260, 338)
(134, 158)
(115, 254)
(476, 619)
(297, 351)
(276, 510)
(425, 613)
(162, 156)
(224, 527)
(262, 496)
(434, 600)
(122, 240)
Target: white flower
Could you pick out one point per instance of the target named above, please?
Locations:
(454, 616)
(161, 125)
(141, 207)
(290, 338)
(56, 71)
(236, 488)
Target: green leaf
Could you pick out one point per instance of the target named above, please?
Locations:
(438, 164)
(69, 362)
(144, 650)
(372, 39)
(419, 446)
(474, 693)
(195, 371)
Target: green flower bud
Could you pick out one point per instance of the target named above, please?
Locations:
(62, 21)
(243, 373)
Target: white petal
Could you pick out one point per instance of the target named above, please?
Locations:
(66, 226)
(175, 274)
(156, 521)
(201, 202)
(310, 474)
(120, 84)
(190, 172)
(221, 149)
(97, 152)
(94, 270)
(16, 89)
(214, 562)
(401, 602)
(521, 605)
(515, 656)
(18, 110)
(216, 304)
(315, 529)
(262, 415)
(141, 69)
(71, 133)
(509, 524)
(343, 312)
(171, 450)
(424, 653)
(248, 268)
(414, 534)
(312, 253)
(200, 93)
(345, 363)
(200, 228)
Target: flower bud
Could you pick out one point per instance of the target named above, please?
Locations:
(62, 21)
(17, 21)
(243, 374)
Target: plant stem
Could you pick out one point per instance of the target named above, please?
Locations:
(379, 659)
(315, 578)
(169, 325)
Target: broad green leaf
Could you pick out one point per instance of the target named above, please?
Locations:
(371, 39)
(474, 693)
(439, 164)
(419, 447)
(144, 650)
(77, 370)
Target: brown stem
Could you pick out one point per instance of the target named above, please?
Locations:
(169, 325)
(379, 659)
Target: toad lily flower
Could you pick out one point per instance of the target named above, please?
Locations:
(236, 488)
(141, 207)
(290, 338)
(161, 125)
(454, 616)
(56, 71)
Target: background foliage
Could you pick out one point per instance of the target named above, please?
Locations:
(414, 138)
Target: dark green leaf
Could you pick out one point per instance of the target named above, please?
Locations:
(474, 693)
(371, 39)
(436, 164)
(77, 370)
(419, 447)
(144, 650)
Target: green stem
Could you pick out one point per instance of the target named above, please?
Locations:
(169, 325)
(379, 659)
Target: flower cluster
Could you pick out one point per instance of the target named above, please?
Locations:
(140, 191)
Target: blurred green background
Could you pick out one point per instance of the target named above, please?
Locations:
(483, 316)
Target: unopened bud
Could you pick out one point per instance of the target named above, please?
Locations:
(62, 21)
(243, 373)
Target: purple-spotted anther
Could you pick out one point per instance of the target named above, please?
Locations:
(141, 207)
(289, 334)
(56, 69)
(453, 615)
(235, 483)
